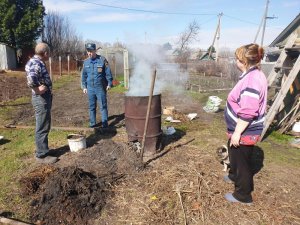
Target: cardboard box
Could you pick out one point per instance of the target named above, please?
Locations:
(168, 110)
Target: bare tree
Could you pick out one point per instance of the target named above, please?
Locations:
(118, 44)
(185, 39)
(228, 64)
(99, 44)
(61, 36)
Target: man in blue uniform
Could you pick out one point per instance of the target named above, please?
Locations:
(96, 80)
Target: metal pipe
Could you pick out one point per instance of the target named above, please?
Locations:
(148, 113)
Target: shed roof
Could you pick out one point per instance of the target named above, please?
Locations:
(286, 32)
(205, 56)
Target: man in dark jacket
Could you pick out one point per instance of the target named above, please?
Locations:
(96, 79)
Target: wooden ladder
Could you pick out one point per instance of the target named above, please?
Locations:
(283, 60)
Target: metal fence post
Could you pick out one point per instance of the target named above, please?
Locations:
(126, 68)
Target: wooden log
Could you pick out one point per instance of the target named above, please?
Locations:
(282, 57)
(4, 220)
(52, 128)
(160, 154)
(291, 122)
(148, 113)
(219, 89)
(294, 108)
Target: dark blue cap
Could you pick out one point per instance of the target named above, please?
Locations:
(90, 46)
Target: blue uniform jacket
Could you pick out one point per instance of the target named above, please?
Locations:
(96, 72)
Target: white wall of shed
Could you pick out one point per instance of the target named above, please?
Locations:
(7, 58)
(3, 58)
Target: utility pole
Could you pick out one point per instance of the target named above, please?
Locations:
(263, 22)
(217, 35)
(264, 27)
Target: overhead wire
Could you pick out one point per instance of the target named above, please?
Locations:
(147, 11)
(241, 20)
(168, 13)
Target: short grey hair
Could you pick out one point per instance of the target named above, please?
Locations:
(41, 48)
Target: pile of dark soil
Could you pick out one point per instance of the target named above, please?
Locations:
(69, 196)
(76, 189)
(105, 158)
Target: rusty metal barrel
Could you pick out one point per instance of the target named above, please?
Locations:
(135, 117)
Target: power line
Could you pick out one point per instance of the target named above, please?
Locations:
(147, 11)
(164, 12)
(263, 22)
(235, 18)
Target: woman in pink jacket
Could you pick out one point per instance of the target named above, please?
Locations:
(244, 116)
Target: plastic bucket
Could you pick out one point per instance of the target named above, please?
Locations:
(76, 142)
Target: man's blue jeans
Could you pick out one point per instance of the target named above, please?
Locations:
(94, 94)
(42, 106)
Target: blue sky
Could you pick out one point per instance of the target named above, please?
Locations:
(161, 21)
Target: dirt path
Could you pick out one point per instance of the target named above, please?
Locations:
(70, 106)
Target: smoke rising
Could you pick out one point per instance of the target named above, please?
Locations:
(143, 60)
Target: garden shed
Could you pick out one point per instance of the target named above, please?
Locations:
(285, 105)
(7, 57)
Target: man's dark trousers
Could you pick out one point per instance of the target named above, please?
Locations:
(42, 106)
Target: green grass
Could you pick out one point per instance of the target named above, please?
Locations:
(278, 150)
(118, 89)
(281, 138)
(182, 127)
(203, 97)
(17, 146)
(281, 154)
(60, 81)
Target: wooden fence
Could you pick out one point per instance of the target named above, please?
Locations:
(202, 83)
(61, 66)
(192, 80)
(65, 65)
